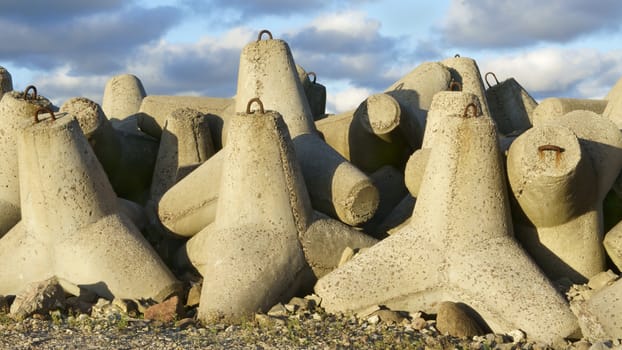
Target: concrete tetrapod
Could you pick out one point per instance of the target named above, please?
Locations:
(123, 95)
(457, 247)
(71, 226)
(16, 112)
(253, 258)
(315, 92)
(613, 110)
(559, 174)
(6, 82)
(336, 187)
(510, 104)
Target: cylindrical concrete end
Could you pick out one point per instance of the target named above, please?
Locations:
(88, 113)
(548, 170)
(379, 114)
(123, 96)
(415, 168)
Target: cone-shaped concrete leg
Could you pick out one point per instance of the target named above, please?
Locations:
(252, 253)
(315, 92)
(17, 111)
(613, 110)
(123, 96)
(457, 247)
(465, 72)
(6, 82)
(555, 107)
(510, 104)
(560, 174)
(69, 211)
(336, 187)
(599, 316)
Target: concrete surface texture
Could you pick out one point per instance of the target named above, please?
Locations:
(465, 72)
(560, 174)
(253, 258)
(17, 111)
(71, 226)
(336, 187)
(450, 251)
(123, 95)
(555, 107)
(510, 104)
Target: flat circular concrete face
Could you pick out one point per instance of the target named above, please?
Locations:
(88, 113)
(548, 173)
(379, 114)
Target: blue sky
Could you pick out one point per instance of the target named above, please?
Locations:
(564, 48)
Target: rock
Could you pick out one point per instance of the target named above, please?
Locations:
(602, 279)
(185, 323)
(166, 311)
(374, 319)
(601, 346)
(278, 310)
(301, 303)
(194, 294)
(38, 297)
(455, 319)
(102, 308)
(517, 336)
(389, 316)
(419, 323)
(126, 306)
(581, 345)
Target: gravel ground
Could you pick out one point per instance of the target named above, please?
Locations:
(299, 329)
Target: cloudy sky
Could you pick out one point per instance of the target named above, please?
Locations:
(567, 48)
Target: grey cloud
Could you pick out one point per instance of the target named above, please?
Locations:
(57, 11)
(93, 43)
(240, 10)
(509, 23)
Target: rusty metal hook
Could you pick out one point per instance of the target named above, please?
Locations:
(261, 33)
(314, 76)
(44, 109)
(455, 86)
(493, 75)
(558, 152)
(466, 110)
(457, 55)
(34, 92)
(250, 103)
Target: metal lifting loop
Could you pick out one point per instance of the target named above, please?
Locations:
(314, 76)
(466, 110)
(455, 86)
(558, 152)
(261, 33)
(248, 106)
(493, 75)
(46, 110)
(457, 55)
(34, 92)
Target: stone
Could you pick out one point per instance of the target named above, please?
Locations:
(166, 311)
(419, 323)
(517, 336)
(194, 294)
(185, 323)
(38, 297)
(389, 316)
(454, 319)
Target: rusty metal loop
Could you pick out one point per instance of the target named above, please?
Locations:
(553, 148)
(46, 110)
(494, 76)
(455, 86)
(457, 55)
(466, 110)
(314, 76)
(261, 33)
(250, 103)
(34, 92)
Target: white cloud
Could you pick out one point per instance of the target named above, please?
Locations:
(65, 86)
(567, 72)
(346, 99)
(353, 23)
